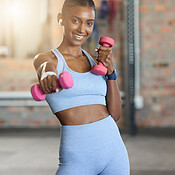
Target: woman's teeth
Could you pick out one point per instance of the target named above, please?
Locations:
(79, 37)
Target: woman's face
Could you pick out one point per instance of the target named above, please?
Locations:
(78, 24)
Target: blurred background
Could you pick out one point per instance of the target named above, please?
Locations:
(144, 51)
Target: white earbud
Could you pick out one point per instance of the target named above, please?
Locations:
(60, 21)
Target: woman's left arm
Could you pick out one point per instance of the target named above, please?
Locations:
(113, 99)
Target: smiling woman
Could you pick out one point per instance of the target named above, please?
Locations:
(77, 28)
(90, 140)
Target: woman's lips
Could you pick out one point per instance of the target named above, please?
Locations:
(78, 37)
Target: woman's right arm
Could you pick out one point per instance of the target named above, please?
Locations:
(43, 63)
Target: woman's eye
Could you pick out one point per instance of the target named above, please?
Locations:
(89, 24)
(75, 21)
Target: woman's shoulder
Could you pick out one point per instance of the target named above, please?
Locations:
(93, 56)
(47, 55)
(44, 57)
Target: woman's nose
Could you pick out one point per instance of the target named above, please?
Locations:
(81, 28)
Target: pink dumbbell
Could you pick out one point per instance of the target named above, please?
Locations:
(100, 69)
(65, 81)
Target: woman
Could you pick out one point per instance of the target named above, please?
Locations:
(90, 140)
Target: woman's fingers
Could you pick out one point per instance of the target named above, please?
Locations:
(104, 55)
(49, 84)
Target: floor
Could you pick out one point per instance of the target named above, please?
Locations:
(35, 152)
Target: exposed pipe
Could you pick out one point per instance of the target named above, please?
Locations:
(138, 99)
(18, 98)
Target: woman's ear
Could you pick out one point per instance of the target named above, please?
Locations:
(59, 19)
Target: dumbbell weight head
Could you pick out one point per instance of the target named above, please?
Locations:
(37, 93)
(66, 80)
(106, 41)
(99, 69)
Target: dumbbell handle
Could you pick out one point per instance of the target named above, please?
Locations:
(100, 69)
(105, 45)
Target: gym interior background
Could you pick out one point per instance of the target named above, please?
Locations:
(143, 54)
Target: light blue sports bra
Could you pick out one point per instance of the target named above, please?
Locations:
(88, 88)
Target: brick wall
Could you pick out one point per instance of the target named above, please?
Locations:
(21, 117)
(157, 37)
(19, 75)
(16, 74)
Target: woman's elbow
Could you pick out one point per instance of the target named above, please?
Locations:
(116, 116)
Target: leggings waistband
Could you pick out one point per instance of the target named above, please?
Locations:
(106, 125)
(99, 122)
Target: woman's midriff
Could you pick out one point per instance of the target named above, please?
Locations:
(82, 114)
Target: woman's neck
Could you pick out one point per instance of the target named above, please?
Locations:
(68, 49)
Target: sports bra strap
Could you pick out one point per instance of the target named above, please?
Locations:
(60, 65)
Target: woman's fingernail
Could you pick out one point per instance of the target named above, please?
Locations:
(57, 90)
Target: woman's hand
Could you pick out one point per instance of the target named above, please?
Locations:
(50, 84)
(47, 73)
(105, 56)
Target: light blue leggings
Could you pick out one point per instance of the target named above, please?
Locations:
(92, 149)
